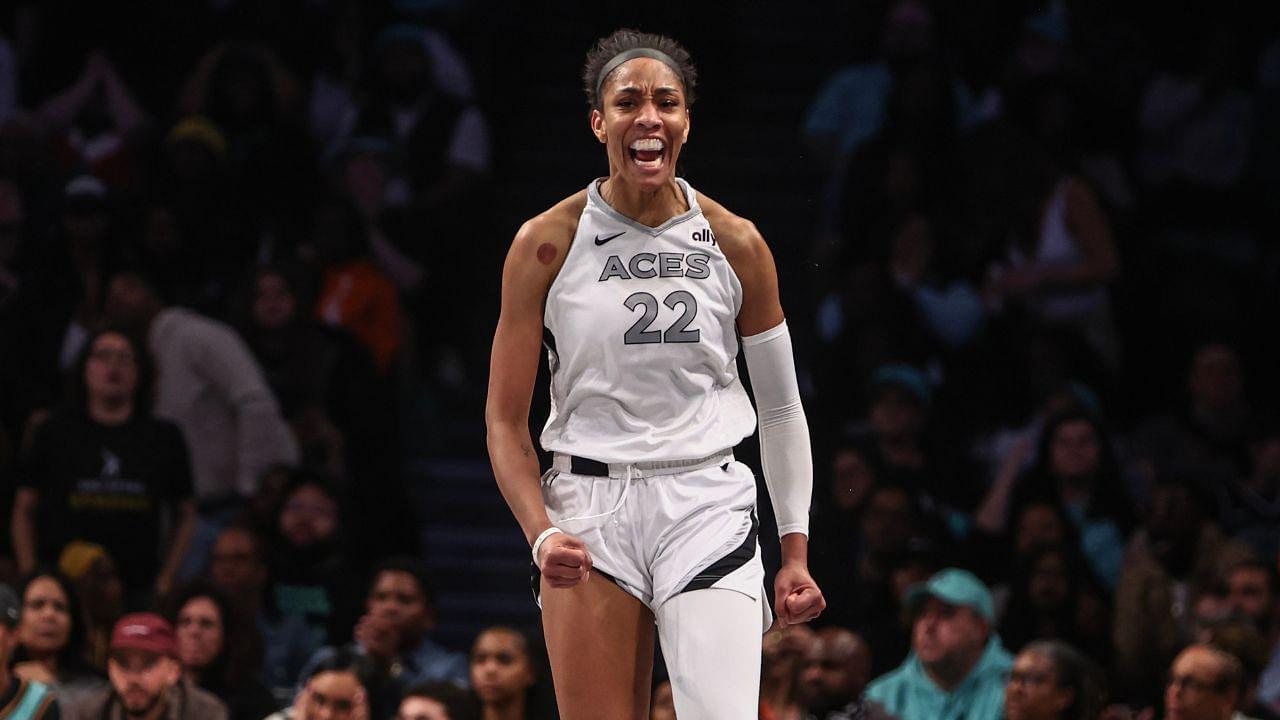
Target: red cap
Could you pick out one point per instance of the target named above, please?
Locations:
(144, 631)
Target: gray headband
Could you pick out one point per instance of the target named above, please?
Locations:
(632, 54)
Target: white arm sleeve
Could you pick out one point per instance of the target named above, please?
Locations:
(785, 453)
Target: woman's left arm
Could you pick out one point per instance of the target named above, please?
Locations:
(785, 451)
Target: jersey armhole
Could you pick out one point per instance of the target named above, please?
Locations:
(568, 254)
(733, 271)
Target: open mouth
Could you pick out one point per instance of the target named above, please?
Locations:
(648, 153)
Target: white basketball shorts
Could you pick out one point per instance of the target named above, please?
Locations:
(658, 532)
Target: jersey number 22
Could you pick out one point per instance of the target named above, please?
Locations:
(679, 332)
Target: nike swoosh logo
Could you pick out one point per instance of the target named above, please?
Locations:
(601, 241)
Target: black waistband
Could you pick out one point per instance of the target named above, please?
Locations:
(587, 466)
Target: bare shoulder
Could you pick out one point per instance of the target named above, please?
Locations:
(539, 249)
(745, 249)
(738, 237)
(555, 225)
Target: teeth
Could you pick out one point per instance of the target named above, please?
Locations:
(648, 145)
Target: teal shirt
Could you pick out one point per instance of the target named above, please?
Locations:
(908, 693)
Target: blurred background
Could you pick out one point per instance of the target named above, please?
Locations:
(1028, 251)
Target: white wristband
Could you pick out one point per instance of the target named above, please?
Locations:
(537, 544)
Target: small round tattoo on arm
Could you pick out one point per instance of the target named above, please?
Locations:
(546, 253)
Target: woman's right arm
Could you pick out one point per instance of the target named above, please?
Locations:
(535, 257)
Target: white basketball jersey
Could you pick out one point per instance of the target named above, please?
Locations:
(643, 342)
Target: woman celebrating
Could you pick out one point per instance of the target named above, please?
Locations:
(644, 286)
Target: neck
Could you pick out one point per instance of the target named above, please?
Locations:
(110, 411)
(949, 673)
(48, 660)
(155, 712)
(512, 709)
(1077, 488)
(650, 208)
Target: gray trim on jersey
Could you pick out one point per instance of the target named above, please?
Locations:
(694, 210)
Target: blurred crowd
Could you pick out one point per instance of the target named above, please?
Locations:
(1034, 347)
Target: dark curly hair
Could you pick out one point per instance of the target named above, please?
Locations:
(241, 653)
(620, 41)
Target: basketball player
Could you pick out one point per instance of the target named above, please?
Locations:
(643, 286)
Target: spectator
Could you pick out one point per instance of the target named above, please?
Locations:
(1253, 592)
(957, 666)
(19, 699)
(196, 238)
(437, 701)
(98, 125)
(220, 653)
(852, 478)
(323, 379)
(901, 399)
(1059, 252)
(146, 677)
(1183, 114)
(1205, 683)
(237, 568)
(504, 676)
(354, 294)
(1038, 524)
(888, 525)
(1054, 598)
(1207, 438)
(850, 108)
(210, 386)
(1050, 680)
(101, 594)
(834, 674)
(253, 100)
(104, 470)
(440, 135)
(1017, 443)
(310, 573)
(1075, 468)
(51, 639)
(1239, 637)
(393, 634)
(366, 169)
(782, 655)
(836, 537)
(336, 688)
(1177, 554)
(1251, 502)
(62, 301)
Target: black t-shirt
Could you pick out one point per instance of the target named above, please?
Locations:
(108, 485)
